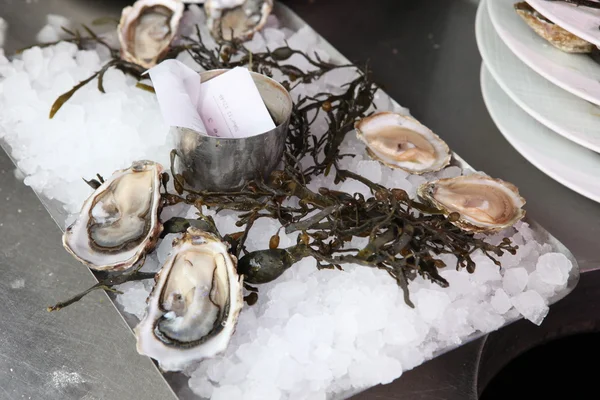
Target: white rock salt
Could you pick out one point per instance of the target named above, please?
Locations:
(531, 305)
(485, 269)
(151, 265)
(256, 44)
(370, 169)
(450, 172)
(554, 268)
(34, 61)
(370, 343)
(501, 302)
(459, 280)
(236, 373)
(536, 284)
(19, 175)
(453, 325)
(133, 298)
(217, 370)
(226, 392)
(202, 386)
(485, 319)
(525, 231)
(431, 304)
(288, 32)
(336, 79)
(48, 34)
(262, 391)
(512, 260)
(164, 247)
(410, 356)
(305, 38)
(88, 59)
(450, 260)
(515, 280)
(416, 180)
(274, 38)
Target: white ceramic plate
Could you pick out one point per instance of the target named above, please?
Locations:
(576, 73)
(581, 21)
(568, 163)
(561, 111)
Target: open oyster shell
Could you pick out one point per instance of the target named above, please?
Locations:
(194, 306)
(485, 204)
(557, 36)
(119, 223)
(236, 19)
(402, 142)
(147, 29)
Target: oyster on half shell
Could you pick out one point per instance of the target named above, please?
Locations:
(194, 306)
(236, 19)
(402, 142)
(119, 223)
(147, 29)
(485, 204)
(557, 36)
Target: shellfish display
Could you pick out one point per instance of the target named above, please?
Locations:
(236, 19)
(485, 204)
(194, 305)
(147, 29)
(402, 142)
(557, 36)
(119, 223)
(331, 252)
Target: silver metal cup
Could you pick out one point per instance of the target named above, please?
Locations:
(225, 164)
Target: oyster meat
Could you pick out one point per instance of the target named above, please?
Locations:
(194, 305)
(147, 29)
(402, 142)
(557, 36)
(484, 204)
(119, 223)
(236, 19)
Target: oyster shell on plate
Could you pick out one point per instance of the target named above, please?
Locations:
(193, 308)
(236, 19)
(485, 204)
(557, 36)
(147, 29)
(400, 141)
(119, 223)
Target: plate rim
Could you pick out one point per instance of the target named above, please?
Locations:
(564, 131)
(541, 71)
(518, 147)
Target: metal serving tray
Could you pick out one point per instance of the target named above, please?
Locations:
(289, 19)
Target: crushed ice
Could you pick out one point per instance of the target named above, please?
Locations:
(311, 333)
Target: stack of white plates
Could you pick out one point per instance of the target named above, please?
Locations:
(544, 101)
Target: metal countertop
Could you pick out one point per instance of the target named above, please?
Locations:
(425, 55)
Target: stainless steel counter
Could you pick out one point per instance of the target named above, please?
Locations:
(425, 55)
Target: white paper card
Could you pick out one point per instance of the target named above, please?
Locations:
(231, 107)
(177, 88)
